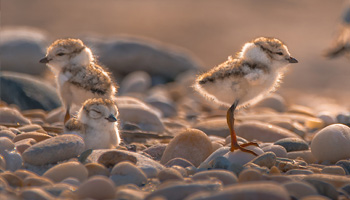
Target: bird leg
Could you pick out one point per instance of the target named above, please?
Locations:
(230, 122)
(67, 116)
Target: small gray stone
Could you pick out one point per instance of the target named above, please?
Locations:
(345, 164)
(35, 193)
(344, 118)
(267, 159)
(324, 188)
(293, 144)
(299, 171)
(97, 187)
(221, 163)
(299, 189)
(53, 150)
(31, 93)
(156, 151)
(13, 159)
(277, 149)
(111, 158)
(338, 170)
(7, 133)
(11, 115)
(236, 168)
(6, 145)
(126, 172)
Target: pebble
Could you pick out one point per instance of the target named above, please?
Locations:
(111, 158)
(315, 197)
(263, 132)
(11, 115)
(178, 162)
(126, 193)
(337, 170)
(226, 177)
(345, 164)
(276, 149)
(299, 171)
(180, 169)
(343, 118)
(169, 174)
(293, 144)
(36, 181)
(126, 172)
(142, 115)
(13, 159)
(182, 190)
(125, 56)
(218, 153)
(299, 189)
(221, 163)
(32, 92)
(265, 160)
(23, 174)
(12, 179)
(24, 144)
(332, 143)
(68, 169)
(156, 151)
(165, 105)
(336, 180)
(236, 168)
(31, 128)
(71, 181)
(192, 145)
(273, 101)
(253, 190)
(7, 133)
(22, 47)
(240, 157)
(214, 126)
(34, 113)
(326, 117)
(96, 169)
(35, 193)
(53, 150)
(6, 145)
(250, 175)
(306, 155)
(38, 137)
(97, 187)
(324, 188)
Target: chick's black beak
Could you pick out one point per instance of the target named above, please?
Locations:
(111, 118)
(44, 60)
(292, 60)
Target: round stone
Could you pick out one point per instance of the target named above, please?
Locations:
(333, 170)
(97, 187)
(64, 170)
(179, 162)
(12, 116)
(277, 149)
(53, 150)
(35, 135)
(332, 143)
(96, 169)
(169, 174)
(265, 160)
(35, 193)
(156, 151)
(192, 145)
(273, 101)
(299, 189)
(37, 181)
(126, 172)
(6, 145)
(7, 133)
(250, 175)
(111, 158)
(293, 144)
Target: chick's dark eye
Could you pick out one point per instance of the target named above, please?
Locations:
(60, 54)
(279, 53)
(96, 111)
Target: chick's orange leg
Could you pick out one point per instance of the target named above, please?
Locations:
(230, 122)
(67, 116)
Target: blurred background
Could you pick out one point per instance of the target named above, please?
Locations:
(208, 31)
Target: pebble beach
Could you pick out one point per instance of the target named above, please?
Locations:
(175, 144)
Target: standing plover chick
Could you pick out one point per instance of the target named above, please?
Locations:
(245, 79)
(78, 75)
(96, 123)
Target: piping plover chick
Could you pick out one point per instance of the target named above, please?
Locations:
(96, 123)
(246, 78)
(78, 75)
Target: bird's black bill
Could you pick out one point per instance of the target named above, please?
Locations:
(292, 60)
(111, 118)
(44, 60)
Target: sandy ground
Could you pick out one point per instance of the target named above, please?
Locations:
(211, 30)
